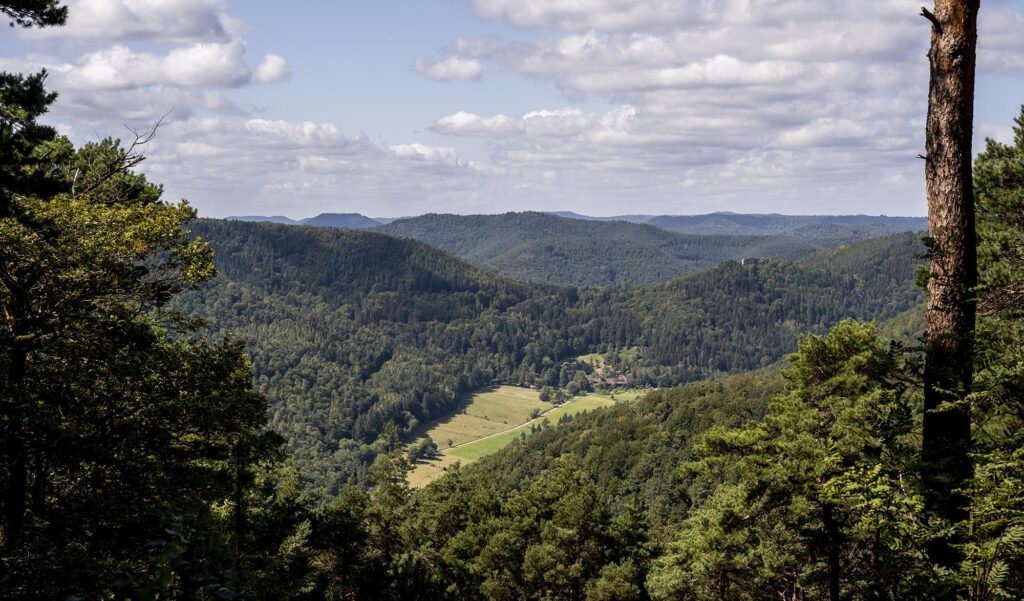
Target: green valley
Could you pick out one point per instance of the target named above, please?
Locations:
(549, 249)
(350, 331)
(526, 406)
(491, 420)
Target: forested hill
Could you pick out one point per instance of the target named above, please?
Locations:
(339, 220)
(547, 248)
(838, 227)
(350, 331)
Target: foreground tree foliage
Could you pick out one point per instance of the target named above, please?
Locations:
(34, 13)
(818, 499)
(995, 549)
(130, 448)
(795, 510)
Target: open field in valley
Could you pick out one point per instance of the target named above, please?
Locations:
(493, 419)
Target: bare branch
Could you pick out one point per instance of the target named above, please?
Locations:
(127, 158)
(927, 14)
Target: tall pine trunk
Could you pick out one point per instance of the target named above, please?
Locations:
(950, 317)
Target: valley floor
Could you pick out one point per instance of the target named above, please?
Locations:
(493, 419)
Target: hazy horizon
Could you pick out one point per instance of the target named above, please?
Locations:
(557, 212)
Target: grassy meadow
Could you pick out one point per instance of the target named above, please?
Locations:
(493, 419)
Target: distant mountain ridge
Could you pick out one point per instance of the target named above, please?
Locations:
(567, 248)
(552, 249)
(854, 227)
(626, 218)
(355, 221)
(764, 224)
(265, 219)
(797, 225)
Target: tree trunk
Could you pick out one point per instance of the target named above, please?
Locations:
(17, 460)
(950, 317)
(831, 551)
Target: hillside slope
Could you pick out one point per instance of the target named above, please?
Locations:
(818, 227)
(357, 337)
(552, 249)
(339, 220)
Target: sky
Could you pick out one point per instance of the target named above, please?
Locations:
(603, 107)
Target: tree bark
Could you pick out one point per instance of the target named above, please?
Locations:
(950, 316)
(832, 551)
(17, 460)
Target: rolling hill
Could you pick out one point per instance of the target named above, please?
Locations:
(357, 337)
(816, 227)
(337, 220)
(550, 249)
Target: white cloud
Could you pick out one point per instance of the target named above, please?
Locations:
(1000, 132)
(826, 131)
(774, 100)
(421, 152)
(453, 68)
(292, 166)
(999, 41)
(470, 124)
(138, 60)
(305, 133)
(209, 64)
(674, 106)
(584, 14)
(272, 69)
(543, 123)
(164, 20)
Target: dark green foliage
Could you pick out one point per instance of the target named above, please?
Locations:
(352, 330)
(817, 499)
(549, 249)
(999, 189)
(841, 228)
(134, 456)
(34, 13)
(24, 143)
(554, 539)
(632, 450)
(995, 549)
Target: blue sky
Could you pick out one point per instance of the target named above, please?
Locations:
(480, 106)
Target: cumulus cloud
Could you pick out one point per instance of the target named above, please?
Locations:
(208, 64)
(453, 68)
(164, 20)
(727, 99)
(542, 123)
(675, 106)
(295, 165)
(137, 60)
(584, 14)
(999, 41)
(272, 69)
(471, 124)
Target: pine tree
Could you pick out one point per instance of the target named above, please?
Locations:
(950, 315)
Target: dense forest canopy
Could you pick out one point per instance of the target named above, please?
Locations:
(550, 249)
(160, 424)
(352, 330)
